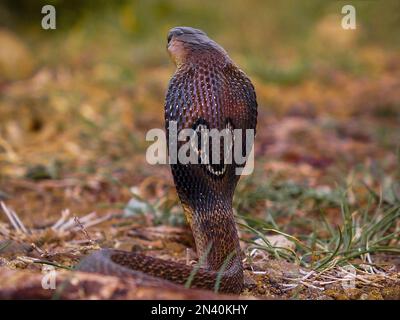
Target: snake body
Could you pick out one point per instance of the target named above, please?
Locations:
(207, 91)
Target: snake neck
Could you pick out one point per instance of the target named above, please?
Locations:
(215, 234)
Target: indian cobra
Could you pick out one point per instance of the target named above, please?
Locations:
(207, 91)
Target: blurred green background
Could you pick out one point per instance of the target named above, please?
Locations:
(264, 36)
(98, 81)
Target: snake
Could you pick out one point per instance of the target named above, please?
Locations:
(207, 91)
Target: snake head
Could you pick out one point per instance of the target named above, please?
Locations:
(185, 44)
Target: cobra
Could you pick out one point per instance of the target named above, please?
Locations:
(207, 91)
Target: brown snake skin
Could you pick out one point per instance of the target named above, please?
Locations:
(207, 89)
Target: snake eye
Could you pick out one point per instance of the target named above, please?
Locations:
(169, 38)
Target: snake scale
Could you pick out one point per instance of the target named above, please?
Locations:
(207, 91)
